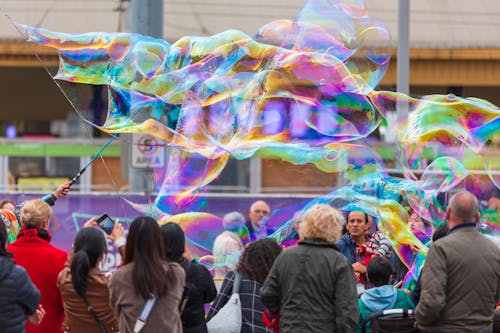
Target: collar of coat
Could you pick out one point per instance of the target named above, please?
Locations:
(317, 242)
(347, 236)
(462, 225)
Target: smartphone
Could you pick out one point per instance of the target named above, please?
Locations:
(106, 223)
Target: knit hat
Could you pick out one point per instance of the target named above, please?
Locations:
(10, 221)
(174, 240)
(233, 221)
(8, 217)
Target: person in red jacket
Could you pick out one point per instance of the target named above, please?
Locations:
(43, 262)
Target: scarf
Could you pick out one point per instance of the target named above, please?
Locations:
(31, 231)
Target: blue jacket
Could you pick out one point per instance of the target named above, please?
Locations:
(347, 247)
(18, 296)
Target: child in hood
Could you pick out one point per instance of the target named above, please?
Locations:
(383, 296)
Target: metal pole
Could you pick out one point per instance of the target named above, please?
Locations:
(4, 173)
(255, 175)
(146, 18)
(403, 57)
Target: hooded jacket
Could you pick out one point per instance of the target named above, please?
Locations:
(382, 298)
(18, 297)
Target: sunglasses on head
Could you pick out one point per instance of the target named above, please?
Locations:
(261, 211)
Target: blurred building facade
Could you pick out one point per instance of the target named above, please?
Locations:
(455, 48)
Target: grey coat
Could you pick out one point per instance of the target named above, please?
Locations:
(18, 297)
(460, 283)
(313, 287)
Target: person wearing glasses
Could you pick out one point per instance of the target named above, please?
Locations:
(256, 224)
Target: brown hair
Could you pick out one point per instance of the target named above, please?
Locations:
(145, 249)
(6, 201)
(258, 258)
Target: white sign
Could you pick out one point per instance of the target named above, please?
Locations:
(147, 152)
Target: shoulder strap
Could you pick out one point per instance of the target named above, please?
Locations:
(145, 313)
(188, 267)
(188, 285)
(236, 282)
(93, 314)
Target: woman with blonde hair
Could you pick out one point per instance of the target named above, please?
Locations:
(43, 262)
(312, 285)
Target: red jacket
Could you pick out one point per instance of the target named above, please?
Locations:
(43, 262)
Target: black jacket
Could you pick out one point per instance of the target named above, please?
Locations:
(313, 287)
(18, 297)
(201, 289)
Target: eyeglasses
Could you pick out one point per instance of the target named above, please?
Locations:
(261, 211)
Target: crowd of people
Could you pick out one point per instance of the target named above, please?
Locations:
(333, 273)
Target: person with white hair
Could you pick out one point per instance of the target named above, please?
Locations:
(257, 220)
(312, 284)
(228, 246)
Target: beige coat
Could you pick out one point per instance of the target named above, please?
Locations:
(227, 250)
(460, 283)
(127, 304)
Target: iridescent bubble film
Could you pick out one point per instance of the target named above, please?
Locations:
(302, 91)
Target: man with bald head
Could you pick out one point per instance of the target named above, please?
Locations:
(461, 276)
(257, 214)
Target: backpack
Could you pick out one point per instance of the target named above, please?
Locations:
(392, 320)
(189, 285)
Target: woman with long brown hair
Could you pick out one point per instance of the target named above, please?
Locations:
(144, 275)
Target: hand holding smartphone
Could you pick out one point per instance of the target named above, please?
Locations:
(106, 223)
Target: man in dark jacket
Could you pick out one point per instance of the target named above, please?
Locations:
(461, 276)
(19, 297)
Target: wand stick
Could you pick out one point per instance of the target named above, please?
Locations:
(104, 146)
